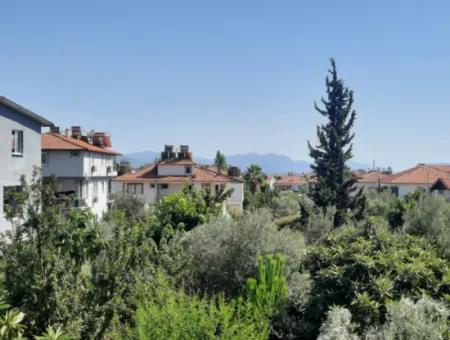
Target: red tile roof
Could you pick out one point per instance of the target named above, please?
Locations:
(54, 141)
(371, 177)
(421, 174)
(201, 175)
(289, 180)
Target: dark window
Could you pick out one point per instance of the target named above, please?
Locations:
(188, 170)
(164, 186)
(44, 158)
(394, 191)
(135, 188)
(17, 142)
(152, 185)
(74, 153)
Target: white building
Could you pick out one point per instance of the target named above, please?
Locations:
(175, 171)
(84, 165)
(20, 147)
(422, 176)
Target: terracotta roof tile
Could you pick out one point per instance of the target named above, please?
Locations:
(53, 141)
(289, 180)
(371, 177)
(201, 175)
(421, 174)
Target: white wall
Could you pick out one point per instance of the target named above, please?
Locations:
(13, 167)
(174, 170)
(150, 195)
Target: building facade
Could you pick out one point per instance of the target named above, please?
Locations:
(84, 165)
(175, 171)
(20, 149)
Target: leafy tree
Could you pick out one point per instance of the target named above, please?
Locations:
(383, 203)
(224, 252)
(254, 178)
(44, 256)
(429, 216)
(220, 161)
(335, 182)
(363, 268)
(131, 205)
(285, 205)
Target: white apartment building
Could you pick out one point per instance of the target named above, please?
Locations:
(175, 171)
(84, 165)
(20, 148)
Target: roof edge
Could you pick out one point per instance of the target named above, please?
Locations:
(16, 107)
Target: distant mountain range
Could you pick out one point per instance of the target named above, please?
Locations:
(271, 163)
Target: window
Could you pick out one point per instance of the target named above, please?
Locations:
(394, 191)
(74, 153)
(44, 157)
(164, 186)
(17, 142)
(135, 188)
(152, 185)
(188, 170)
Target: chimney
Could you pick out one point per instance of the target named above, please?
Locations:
(76, 132)
(168, 152)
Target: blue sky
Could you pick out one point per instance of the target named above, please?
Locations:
(236, 75)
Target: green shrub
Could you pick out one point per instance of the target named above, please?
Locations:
(362, 268)
(429, 216)
(285, 205)
(223, 252)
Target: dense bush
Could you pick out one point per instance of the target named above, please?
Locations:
(362, 268)
(224, 252)
(285, 205)
(424, 320)
(429, 216)
(384, 204)
(192, 317)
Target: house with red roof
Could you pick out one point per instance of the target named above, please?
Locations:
(175, 171)
(422, 176)
(289, 182)
(83, 163)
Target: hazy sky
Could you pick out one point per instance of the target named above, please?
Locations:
(236, 75)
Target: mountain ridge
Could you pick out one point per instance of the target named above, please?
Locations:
(270, 162)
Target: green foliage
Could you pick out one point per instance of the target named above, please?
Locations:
(11, 326)
(131, 205)
(190, 207)
(223, 253)
(254, 178)
(429, 216)
(52, 334)
(338, 326)
(285, 205)
(269, 291)
(335, 182)
(424, 320)
(384, 204)
(44, 257)
(220, 161)
(362, 268)
(165, 313)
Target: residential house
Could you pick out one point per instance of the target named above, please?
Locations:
(289, 182)
(84, 165)
(20, 151)
(422, 176)
(175, 171)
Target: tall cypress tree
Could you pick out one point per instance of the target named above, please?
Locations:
(335, 182)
